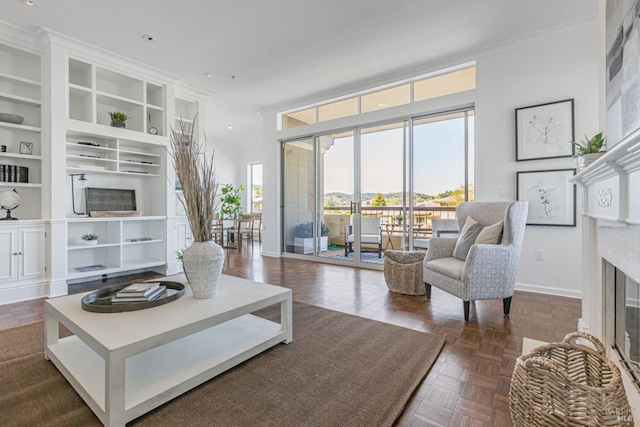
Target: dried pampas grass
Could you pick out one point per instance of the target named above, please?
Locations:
(198, 179)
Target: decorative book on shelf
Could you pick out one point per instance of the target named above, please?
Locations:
(13, 173)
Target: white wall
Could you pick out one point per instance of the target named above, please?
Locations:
(549, 68)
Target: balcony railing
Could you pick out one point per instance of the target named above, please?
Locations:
(421, 214)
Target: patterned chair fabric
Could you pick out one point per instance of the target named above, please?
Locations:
(490, 270)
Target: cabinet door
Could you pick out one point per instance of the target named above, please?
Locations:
(8, 255)
(184, 238)
(32, 249)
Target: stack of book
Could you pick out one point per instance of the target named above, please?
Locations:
(13, 173)
(138, 292)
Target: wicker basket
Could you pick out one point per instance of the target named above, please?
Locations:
(403, 272)
(566, 384)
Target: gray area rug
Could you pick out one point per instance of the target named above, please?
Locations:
(340, 370)
(369, 257)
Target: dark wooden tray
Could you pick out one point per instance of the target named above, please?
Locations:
(100, 300)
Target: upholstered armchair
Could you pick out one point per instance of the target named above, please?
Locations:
(468, 267)
(370, 233)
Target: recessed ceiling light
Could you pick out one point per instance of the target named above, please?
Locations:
(208, 75)
(30, 3)
(381, 104)
(148, 38)
(229, 127)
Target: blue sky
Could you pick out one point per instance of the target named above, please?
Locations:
(438, 159)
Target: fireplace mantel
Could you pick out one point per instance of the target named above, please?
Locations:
(609, 183)
(610, 210)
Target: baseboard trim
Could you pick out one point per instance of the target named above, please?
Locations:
(57, 288)
(20, 291)
(270, 254)
(525, 287)
(174, 268)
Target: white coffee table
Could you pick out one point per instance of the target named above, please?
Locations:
(125, 364)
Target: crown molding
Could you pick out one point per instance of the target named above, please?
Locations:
(20, 38)
(191, 93)
(106, 58)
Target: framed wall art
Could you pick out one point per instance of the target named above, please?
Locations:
(545, 131)
(551, 197)
(622, 74)
(26, 148)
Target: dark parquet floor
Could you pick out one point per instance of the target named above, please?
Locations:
(468, 385)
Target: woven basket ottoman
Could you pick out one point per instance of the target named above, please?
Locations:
(403, 272)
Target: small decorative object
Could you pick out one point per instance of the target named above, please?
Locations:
(90, 239)
(9, 200)
(542, 131)
(551, 197)
(398, 219)
(231, 203)
(11, 118)
(204, 259)
(118, 119)
(588, 150)
(3, 148)
(153, 130)
(26, 148)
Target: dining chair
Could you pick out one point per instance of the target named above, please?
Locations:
(243, 226)
(257, 225)
(217, 229)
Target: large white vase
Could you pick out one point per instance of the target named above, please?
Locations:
(203, 262)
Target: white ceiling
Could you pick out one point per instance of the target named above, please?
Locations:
(284, 50)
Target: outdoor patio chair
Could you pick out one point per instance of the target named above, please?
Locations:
(483, 261)
(370, 233)
(439, 228)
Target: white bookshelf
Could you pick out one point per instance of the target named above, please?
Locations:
(124, 244)
(21, 94)
(115, 158)
(94, 91)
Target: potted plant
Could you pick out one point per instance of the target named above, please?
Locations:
(398, 219)
(204, 259)
(118, 119)
(90, 239)
(231, 205)
(303, 238)
(588, 150)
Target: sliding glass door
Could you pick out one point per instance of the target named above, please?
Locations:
(350, 195)
(441, 169)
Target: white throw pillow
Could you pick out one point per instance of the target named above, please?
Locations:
(474, 233)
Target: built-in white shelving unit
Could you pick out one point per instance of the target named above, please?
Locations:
(94, 91)
(65, 89)
(21, 94)
(115, 158)
(124, 244)
(99, 154)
